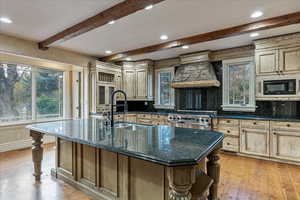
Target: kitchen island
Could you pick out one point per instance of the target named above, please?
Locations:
(132, 161)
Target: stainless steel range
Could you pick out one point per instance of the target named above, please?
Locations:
(198, 121)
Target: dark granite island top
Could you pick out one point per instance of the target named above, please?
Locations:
(132, 161)
(169, 146)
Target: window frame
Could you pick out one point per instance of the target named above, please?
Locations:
(34, 119)
(226, 106)
(157, 104)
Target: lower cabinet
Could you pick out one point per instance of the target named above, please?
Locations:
(231, 143)
(255, 142)
(285, 145)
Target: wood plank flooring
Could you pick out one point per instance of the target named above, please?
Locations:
(241, 179)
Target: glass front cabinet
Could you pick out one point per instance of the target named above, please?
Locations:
(105, 79)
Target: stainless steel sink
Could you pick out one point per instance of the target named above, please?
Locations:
(122, 125)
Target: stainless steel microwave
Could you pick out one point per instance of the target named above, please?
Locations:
(284, 87)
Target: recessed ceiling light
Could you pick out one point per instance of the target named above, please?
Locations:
(111, 22)
(164, 37)
(254, 34)
(257, 14)
(108, 52)
(5, 20)
(128, 59)
(185, 47)
(149, 7)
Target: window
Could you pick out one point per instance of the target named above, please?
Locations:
(29, 93)
(238, 85)
(164, 91)
(49, 93)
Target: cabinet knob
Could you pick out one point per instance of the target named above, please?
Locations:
(228, 121)
(228, 131)
(274, 133)
(254, 123)
(288, 125)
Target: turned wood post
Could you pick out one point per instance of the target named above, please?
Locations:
(37, 154)
(181, 180)
(213, 171)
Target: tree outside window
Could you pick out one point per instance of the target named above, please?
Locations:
(22, 85)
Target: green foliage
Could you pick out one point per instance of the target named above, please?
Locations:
(47, 105)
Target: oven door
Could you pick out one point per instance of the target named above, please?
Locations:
(280, 87)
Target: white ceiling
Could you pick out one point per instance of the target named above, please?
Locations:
(37, 20)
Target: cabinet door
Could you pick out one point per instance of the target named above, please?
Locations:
(129, 83)
(141, 83)
(290, 59)
(255, 142)
(118, 83)
(266, 62)
(285, 145)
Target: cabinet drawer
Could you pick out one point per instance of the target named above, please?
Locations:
(145, 116)
(255, 124)
(228, 122)
(231, 143)
(229, 131)
(159, 117)
(144, 121)
(292, 126)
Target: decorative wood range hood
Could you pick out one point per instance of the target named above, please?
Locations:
(195, 71)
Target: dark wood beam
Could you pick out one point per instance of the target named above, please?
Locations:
(284, 20)
(116, 12)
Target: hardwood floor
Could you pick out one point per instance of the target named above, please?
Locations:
(241, 179)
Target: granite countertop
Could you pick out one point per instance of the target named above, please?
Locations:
(256, 117)
(222, 115)
(169, 146)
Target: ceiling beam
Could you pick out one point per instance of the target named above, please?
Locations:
(284, 20)
(116, 12)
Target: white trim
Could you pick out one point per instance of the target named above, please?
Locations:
(157, 83)
(233, 107)
(21, 144)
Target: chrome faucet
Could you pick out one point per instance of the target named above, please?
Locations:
(112, 105)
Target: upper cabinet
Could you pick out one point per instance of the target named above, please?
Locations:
(278, 55)
(266, 62)
(137, 77)
(290, 59)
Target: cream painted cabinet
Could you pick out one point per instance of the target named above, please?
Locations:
(290, 59)
(141, 84)
(285, 145)
(231, 129)
(267, 62)
(137, 77)
(129, 83)
(255, 142)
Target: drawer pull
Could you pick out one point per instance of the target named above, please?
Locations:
(228, 131)
(288, 125)
(274, 133)
(254, 123)
(228, 121)
(228, 143)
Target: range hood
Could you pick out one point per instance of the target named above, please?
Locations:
(195, 71)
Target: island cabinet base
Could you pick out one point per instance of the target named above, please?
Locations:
(111, 176)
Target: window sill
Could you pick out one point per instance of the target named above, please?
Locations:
(239, 108)
(24, 123)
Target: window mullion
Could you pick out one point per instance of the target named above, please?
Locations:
(33, 94)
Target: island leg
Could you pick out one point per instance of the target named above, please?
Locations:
(37, 154)
(213, 171)
(181, 180)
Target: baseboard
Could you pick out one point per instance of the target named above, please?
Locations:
(22, 144)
